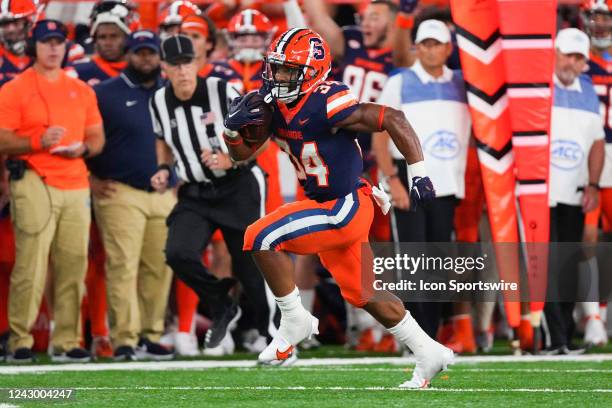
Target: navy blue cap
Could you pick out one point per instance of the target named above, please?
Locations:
(143, 39)
(47, 29)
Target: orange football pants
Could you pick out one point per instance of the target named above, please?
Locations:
(334, 230)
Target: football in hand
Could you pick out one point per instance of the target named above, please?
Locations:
(256, 135)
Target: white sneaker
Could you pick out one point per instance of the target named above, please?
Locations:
(167, 340)
(254, 342)
(186, 344)
(595, 332)
(225, 347)
(430, 361)
(282, 352)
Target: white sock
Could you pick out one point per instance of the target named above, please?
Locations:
(290, 305)
(590, 309)
(603, 313)
(307, 296)
(409, 333)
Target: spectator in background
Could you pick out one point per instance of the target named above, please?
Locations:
(16, 18)
(597, 19)
(574, 178)
(109, 31)
(49, 122)
(131, 217)
(434, 98)
(110, 26)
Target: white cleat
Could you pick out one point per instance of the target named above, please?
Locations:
(595, 332)
(280, 351)
(186, 344)
(225, 348)
(430, 362)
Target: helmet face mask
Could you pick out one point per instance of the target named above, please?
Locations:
(284, 79)
(597, 21)
(16, 19)
(13, 34)
(249, 47)
(249, 34)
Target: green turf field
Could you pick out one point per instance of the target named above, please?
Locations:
(500, 384)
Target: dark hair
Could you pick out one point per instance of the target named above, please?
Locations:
(392, 6)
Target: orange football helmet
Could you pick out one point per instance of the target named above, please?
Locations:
(597, 21)
(172, 16)
(296, 62)
(16, 19)
(241, 30)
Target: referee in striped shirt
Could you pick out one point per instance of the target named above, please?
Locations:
(216, 193)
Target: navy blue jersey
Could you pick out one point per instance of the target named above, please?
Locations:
(327, 159)
(11, 65)
(96, 70)
(600, 71)
(364, 70)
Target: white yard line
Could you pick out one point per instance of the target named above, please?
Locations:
(311, 362)
(298, 388)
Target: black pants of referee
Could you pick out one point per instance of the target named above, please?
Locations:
(566, 225)
(231, 206)
(433, 223)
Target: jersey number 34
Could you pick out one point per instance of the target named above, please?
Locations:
(310, 162)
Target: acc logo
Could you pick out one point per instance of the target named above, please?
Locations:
(442, 145)
(566, 154)
(318, 52)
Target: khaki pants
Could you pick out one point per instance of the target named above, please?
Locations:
(47, 221)
(133, 228)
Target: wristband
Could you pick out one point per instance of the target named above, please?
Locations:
(404, 21)
(381, 117)
(230, 134)
(36, 143)
(417, 169)
(232, 141)
(164, 166)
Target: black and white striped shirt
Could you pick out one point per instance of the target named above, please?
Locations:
(192, 125)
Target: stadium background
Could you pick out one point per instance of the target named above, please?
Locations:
(75, 12)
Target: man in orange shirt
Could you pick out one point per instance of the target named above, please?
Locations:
(48, 123)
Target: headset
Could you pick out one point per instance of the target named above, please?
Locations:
(30, 49)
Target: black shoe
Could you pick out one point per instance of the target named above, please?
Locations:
(22, 355)
(153, 351)
(75, 355)
(574, 350)
(554, 351)
(221, 325)
(4, 346)
(124, 353)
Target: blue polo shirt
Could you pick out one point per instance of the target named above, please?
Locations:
(129, 153)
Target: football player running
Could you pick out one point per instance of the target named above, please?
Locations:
(315, 123)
